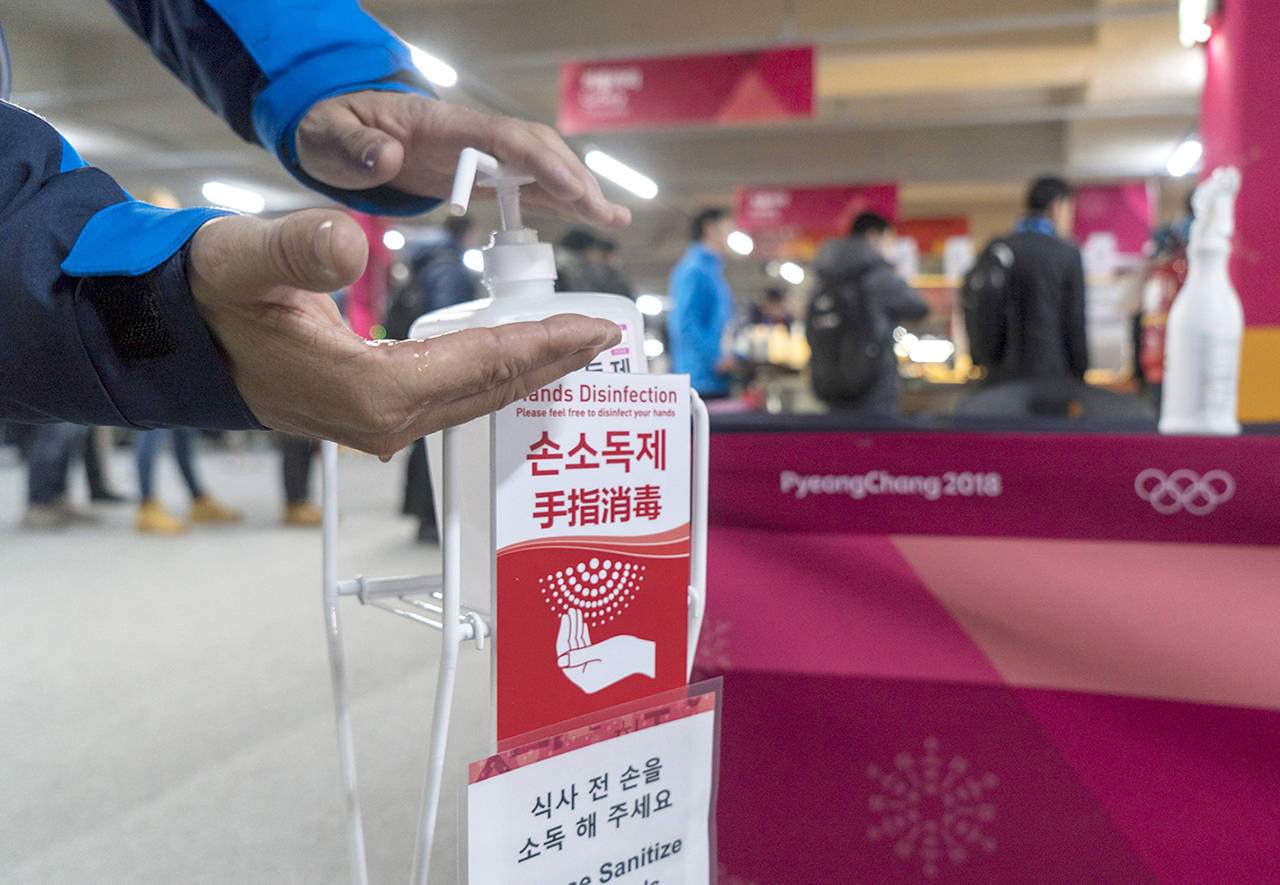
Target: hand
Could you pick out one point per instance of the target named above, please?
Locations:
(256, 283)
(592, 667)
(365, 139)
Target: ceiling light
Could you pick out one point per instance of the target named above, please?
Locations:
(241, 199)
(741, 243)
(1193, 21)
(649, 305)
(621, 174)
(393, 240)
(653, 348)
(439, 72)
(791, 272)
(1185, 157)
(473, 260)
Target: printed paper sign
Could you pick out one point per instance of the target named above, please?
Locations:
(626, 800)
(592, 531)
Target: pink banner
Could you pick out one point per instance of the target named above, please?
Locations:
(1194, 489)
(1126, 210)
(723, 89)
(1052, 703)
(813, 211)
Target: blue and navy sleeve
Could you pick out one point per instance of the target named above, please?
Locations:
(262, 64)
(97, 318)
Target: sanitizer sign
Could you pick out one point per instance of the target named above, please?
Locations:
(592, 531)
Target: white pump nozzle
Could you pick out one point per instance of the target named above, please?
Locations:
(478, 168)
(1214, 202)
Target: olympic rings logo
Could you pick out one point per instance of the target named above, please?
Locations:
(1184, 490)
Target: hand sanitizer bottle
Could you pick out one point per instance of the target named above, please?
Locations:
(519, 273)
(1206, 323)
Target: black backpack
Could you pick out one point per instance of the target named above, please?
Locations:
(985, 299)
(842, 340)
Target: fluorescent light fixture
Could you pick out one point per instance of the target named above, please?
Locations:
(653, 348)
(649, 305)
(1185, 157)
(473, 260)
(931, 350)
(1193, 21)
(241, 199)
(439, 72)
(741, 243)
(791, 272)
(393, 240)
(621, 174)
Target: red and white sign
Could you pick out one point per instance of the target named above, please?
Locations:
(813, 211)
(592, 531)
(628, 798)
(724, 89)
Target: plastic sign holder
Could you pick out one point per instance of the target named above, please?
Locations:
(435, 601)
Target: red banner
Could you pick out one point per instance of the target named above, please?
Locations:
(1126, 210)
(722, 89)
(812, 211)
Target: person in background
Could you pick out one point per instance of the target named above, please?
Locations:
(770, 308)
(613, 280)
(703, 306)
(296, 455)
(579, 262)
(859, 266)
(51, 450)
(153, 518)
(95, 467)
(1044, 321)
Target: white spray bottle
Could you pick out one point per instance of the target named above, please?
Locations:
(1206, 323)
(520, 274)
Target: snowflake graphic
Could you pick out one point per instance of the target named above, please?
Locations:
(928, 809)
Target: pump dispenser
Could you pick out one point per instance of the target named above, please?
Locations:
(519, 273)
(1206, 322)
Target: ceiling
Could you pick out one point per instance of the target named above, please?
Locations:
(958, 100)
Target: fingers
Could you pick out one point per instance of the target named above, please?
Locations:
(338, 147)
(562, 637)
(318, 250)
(453, 378)
(578, 657)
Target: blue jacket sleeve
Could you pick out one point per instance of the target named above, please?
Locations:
(262, 64)
(97, 323)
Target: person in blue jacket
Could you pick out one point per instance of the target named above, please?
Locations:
(116, 312)
(703, 306)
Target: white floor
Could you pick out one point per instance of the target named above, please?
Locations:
(165, 710)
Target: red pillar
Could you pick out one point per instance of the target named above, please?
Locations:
(1240, 126)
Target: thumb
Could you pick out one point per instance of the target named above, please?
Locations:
(319, 250)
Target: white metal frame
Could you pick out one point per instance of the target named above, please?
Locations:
(434, 601)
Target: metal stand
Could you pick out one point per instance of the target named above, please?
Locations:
(433, 600)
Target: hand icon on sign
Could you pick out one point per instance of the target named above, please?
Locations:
(592, 667)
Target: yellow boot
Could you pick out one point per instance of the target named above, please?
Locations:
(206, 509)
(155, 520)
(302, 513)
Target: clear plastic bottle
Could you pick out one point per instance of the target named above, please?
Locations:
(1206, 322)
(519, 273)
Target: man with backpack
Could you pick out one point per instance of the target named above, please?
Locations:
(856, 303)
(1024, 297)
